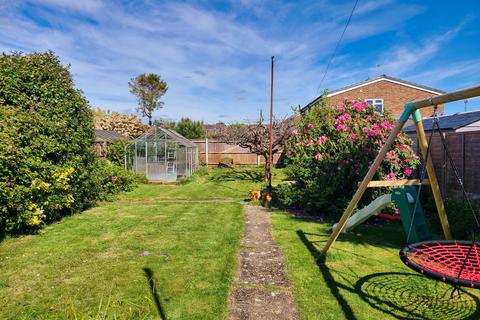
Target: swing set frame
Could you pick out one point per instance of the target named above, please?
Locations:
(410, 108)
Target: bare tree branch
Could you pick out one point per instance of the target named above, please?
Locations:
(255, 136)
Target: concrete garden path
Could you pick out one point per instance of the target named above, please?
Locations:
(261, 289)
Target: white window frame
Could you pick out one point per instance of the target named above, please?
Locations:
(376, 103)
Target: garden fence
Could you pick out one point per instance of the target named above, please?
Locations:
(464, 148)
(212, 151)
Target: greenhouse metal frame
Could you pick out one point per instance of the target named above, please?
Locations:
(162, 155)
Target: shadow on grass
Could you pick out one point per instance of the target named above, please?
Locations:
(327, 276)
(154, 292)
(245, 174)
(383, 234)
(398, 294)
(412, 296)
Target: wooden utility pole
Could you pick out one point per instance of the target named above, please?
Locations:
(270, 157)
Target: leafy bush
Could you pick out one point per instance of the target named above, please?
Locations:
(116, 152)
(332, 149)
(191, 129)
(111, 179)
(461, 220)
(287, 195)
(46, 142)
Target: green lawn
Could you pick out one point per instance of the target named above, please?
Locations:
(214, 184)
(91, 265)
(363, 277)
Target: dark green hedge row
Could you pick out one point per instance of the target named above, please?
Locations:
(47, 165)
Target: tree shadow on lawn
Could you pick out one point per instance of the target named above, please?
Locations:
(398, 294)
(243, 174)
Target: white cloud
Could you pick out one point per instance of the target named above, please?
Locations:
(113, 43)
(402, 59)
(85, 6)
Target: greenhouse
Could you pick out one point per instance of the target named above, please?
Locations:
(162, 155)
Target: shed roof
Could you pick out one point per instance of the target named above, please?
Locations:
(450, 122)
(108, 135)
(169, 133)
(178, 136)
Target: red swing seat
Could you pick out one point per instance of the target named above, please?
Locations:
(453, 261)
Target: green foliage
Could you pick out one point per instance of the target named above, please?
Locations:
(200, 174)
(332, 149)
(46, 142)
(461, 219)
(117, 151)
(164, 123)
(111, 179)
(190, 129)
(286, 195)
(148, 88)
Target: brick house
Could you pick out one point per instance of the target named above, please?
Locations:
(384, 92)
(215, 130)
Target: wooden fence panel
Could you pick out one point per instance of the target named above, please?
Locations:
(218, 150)
(464, 148)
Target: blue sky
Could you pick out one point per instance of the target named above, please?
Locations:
(215, 55)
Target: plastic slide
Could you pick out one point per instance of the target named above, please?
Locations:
(373, 209)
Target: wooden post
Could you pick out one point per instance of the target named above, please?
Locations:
(125, 157)
(363, 185)
(136, 160)
(432, 177)
(206, 151)
(146, 158)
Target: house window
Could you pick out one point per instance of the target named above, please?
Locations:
(377, 103)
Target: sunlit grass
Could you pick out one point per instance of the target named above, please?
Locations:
(91, 265)
(211, 184)
(362, 276)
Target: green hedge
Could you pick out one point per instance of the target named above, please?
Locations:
(111, 178)
(117, 151)
(47, 164)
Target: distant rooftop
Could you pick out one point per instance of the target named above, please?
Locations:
(450, 122)
(108, 135)
(381, 77)
(385, 77)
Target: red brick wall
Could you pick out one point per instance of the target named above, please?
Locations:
(394, 96)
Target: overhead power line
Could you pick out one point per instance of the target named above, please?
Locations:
(337, 46)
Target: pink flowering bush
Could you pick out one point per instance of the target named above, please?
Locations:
(332, 148)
